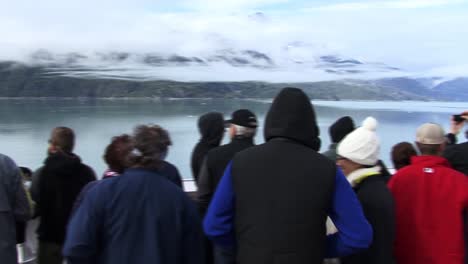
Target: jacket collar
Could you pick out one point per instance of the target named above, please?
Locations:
(357, 176)
(430, 161)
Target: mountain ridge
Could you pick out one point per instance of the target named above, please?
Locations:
(39, 80)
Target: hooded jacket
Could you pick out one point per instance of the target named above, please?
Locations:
(430, 198)
(274, 198)
(60, 181)
(211, 128)
(285, 222)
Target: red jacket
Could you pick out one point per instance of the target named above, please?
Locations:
(430, 198)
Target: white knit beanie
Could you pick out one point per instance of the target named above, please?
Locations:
(362, 145)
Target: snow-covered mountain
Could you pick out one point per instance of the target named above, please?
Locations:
(296, 62)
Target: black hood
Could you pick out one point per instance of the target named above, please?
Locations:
(341, 128)
(211, 127)
(63, 163)
(292, 116)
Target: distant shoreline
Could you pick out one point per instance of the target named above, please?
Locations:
(260, 100)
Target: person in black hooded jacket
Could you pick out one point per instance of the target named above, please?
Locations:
(273, 199)
(211, 127)
(242, 129)
(55, 188)
(338, 130)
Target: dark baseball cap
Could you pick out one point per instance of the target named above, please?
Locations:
(243, 117)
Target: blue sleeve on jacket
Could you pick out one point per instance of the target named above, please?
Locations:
(354, 232)
(83, 231)
(219, 220)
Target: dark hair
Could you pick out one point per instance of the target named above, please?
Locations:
(429, 149)
(117, 153)
(401, 154)
(25, 171)
(341, 128)
(63, 138)
(151, 143)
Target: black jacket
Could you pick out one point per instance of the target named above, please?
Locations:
(457, 155)
(377, 204)
(213, 169)
(384, 173)
(211, 127)
(283, 188)
(60, 181)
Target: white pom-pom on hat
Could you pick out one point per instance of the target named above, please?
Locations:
(370, 123)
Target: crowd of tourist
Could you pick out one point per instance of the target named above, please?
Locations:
(280, 202)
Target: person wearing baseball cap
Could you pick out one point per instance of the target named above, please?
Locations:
(430, 198)
(243, 118)
(241, 129)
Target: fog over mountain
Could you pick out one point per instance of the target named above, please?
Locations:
(294, 62)
(409, 44)
(269, 51)
(303, 40)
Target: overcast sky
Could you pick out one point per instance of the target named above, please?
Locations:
(427, 37)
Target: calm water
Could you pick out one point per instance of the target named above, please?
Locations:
(25, 124)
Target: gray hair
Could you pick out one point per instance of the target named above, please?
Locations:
(244, 131)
